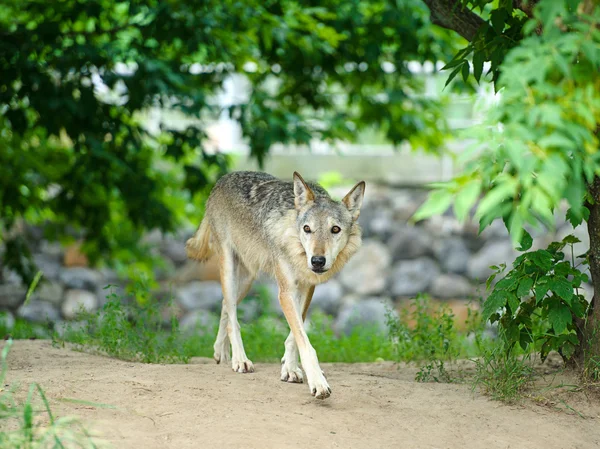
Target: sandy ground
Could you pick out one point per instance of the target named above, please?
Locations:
(204, 405)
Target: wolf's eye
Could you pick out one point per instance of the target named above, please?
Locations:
(306, 228)
(335, 229)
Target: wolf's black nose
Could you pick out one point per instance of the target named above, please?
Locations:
(318, 261)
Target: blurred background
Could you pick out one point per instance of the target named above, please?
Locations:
(117, 117)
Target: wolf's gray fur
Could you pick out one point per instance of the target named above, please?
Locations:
(293, 231)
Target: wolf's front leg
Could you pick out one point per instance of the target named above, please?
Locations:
(290, 369)
(316, 380)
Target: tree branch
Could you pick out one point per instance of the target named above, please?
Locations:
(452, 15)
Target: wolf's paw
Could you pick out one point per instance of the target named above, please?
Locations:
(319, 387)
(222, 352)
(242, 366)
(291, 373)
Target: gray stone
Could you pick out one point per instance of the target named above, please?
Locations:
(49, 265)
(11, 295)
(174, 249)
(7, 320)
(50, 291)
(327, 297)
(205, 295)
(382, 224)
(53, 249)
(80, 278)
(365, 273)
(410, 277)
(409, 242)
(199, 321)
(447, 286)
(38, 311)
(443, 226)
(77, 301)
(248, 310)
(452, 254)
(405, 203)
(370, 312)
(492, 253)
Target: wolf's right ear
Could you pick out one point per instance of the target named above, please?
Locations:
(302, 193)
(354, 199)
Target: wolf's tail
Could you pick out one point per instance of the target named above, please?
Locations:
(198, 247)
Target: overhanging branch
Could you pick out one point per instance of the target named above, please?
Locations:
(451, 14)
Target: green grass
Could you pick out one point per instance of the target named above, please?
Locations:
(138, 332)
(30, 424)
(424, 336)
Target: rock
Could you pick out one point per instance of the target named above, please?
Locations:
(205, 295)
(165, 269)
(410, 277)
(405, 203)
(74, 257)
(327, 297)
(7, 321)
(77, 301)
(452, 254)
(38, 311)
(370, 312)
(382, 224)
(409, 242)
(366, 271)
(52, 249)
(447, 286)
(492, 253)
(80, 278)
(174, 249)
(199, 321)
(49, 291)
(11, 295)
(248, 310)
(49, 265)
(443, 226)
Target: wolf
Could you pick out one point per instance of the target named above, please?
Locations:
(293, 231)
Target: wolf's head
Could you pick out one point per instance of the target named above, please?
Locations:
(325, 226)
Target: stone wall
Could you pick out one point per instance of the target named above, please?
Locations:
(439, 256)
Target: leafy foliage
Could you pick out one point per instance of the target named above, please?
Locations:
(542, 286)
(78, 78)
(541, 143)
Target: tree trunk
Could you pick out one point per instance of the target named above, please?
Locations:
(451, 14)
(588, 330)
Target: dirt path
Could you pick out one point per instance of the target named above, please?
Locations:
(203, 405)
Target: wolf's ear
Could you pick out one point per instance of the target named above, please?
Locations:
(302, 193)
(354, 199)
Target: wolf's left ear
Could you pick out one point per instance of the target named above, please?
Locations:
(354, 199)
(302, 193)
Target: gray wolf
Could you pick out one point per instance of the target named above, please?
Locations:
(292, 231)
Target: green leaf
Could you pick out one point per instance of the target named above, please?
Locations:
(513, 302)
(496, 300)
(559, 318)
(437, 203)
(465, 71)
(452, 75)
(571, 239)
(562, 288)
(541, 258)
(478, 60)
(466, 198)
(526, 241)
(509, 283)
(524, 287)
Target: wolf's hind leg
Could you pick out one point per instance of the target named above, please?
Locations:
(235, 282)
(290, 368)
(222, 345)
